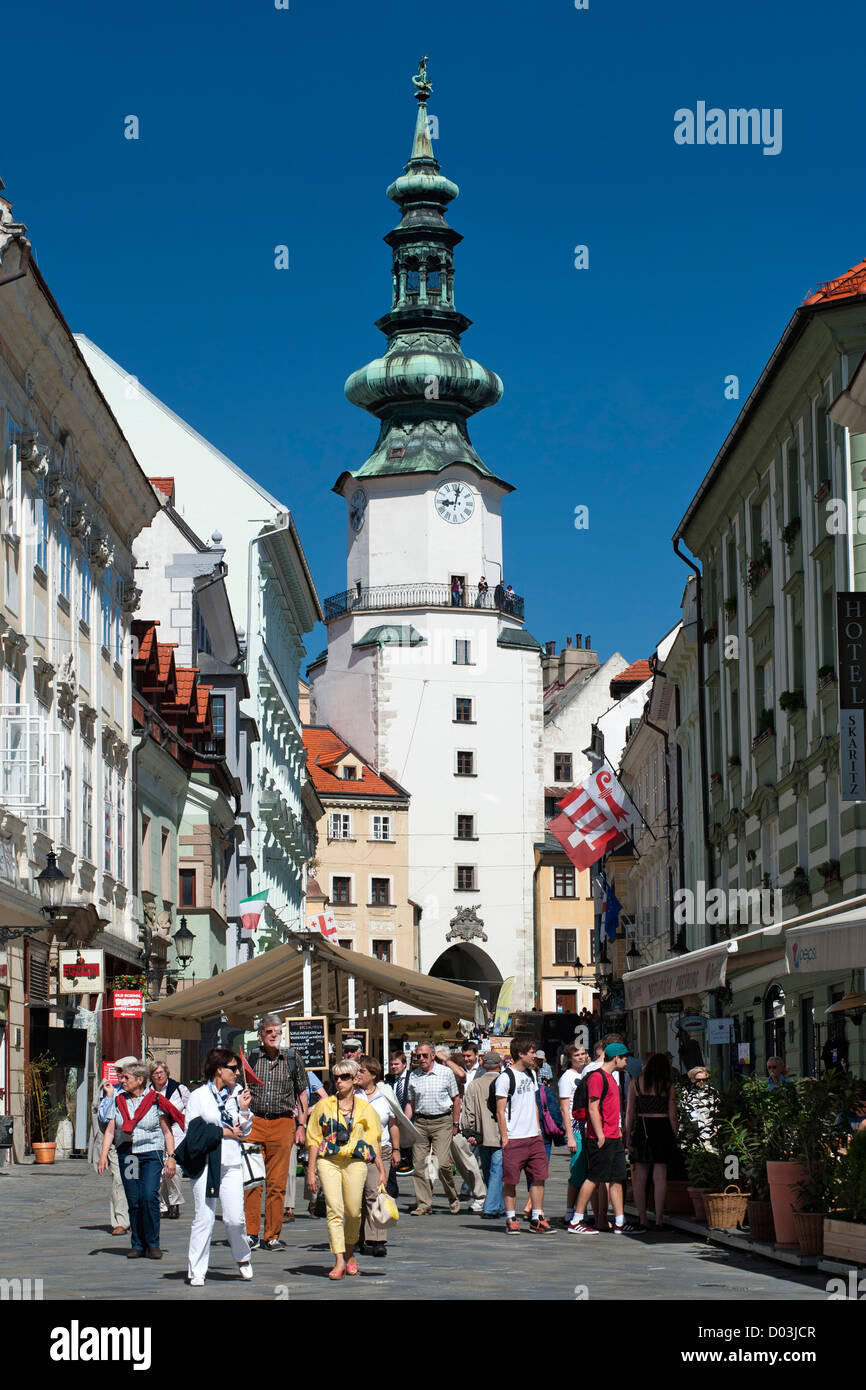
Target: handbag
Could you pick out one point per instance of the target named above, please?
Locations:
(383, 1210)
(254, 1164)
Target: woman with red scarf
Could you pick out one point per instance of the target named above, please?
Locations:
(142, 1122)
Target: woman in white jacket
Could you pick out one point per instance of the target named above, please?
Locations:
(220, 1101)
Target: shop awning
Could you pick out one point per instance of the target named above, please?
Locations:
(274, 980)
(669, 979)
(836, 943)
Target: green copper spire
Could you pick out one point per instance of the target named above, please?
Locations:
(424, 388)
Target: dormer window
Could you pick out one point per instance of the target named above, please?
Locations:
(350, 773)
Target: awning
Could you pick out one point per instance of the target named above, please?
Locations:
(835, 944)
(689, 974)
(274, 980)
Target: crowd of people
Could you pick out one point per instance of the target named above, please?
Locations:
(503, 595)
(476, 1123)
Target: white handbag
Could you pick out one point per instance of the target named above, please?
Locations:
(254, 1165)
(384, 1210)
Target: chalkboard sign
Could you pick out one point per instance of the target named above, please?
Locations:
(362, 1034)
(310, 1037)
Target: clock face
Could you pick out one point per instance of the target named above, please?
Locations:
(455, 502)
(358, 509)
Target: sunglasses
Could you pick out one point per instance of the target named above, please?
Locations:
(342, 1076)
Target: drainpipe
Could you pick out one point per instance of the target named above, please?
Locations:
(702, 727)
(659, 730)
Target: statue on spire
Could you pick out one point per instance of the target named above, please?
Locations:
(422, 86)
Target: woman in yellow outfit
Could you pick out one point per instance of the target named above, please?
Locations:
(343, 1136)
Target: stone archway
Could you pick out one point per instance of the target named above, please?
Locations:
(468, 965)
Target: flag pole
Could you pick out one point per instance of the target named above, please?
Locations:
(631, 799)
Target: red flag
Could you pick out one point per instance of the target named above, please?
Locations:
(592, 817)
(248, 1071)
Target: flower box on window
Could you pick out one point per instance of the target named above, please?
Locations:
(823, 490)
(792, 700)
(715, 779)
(711, 634)
(759, 567)
(826, 676)
(790, 533)
(730, 606)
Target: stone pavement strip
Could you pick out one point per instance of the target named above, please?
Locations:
(54, 1227)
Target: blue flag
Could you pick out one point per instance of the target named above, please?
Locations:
(612, 907)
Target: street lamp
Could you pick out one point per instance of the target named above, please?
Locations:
(851, 1004)
(632, 955)
(52, 887)
(184, 942)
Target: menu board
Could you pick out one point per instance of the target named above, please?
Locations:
(362, 1034)
(310, 1037)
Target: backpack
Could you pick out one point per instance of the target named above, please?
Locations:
(291, 1058)
(550, 1114)
(580, 1099)
(492, 1096)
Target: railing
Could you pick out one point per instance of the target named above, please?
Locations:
(416, 596)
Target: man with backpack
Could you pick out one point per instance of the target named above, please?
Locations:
(605, 1151)
(523, 1149)
(282, 1085)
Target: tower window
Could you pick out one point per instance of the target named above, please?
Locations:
(434, 280)
(413, 281)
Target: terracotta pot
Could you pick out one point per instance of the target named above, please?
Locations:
(809, 1226)
(760, 1216)
(783, 1179)
(697, 1196)
(44, 1153)
(845, 1240)
(677, 1199)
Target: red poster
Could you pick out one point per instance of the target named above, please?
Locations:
(109, 1073)
(128, 1003)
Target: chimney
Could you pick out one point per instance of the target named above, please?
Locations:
(568, 643)
(588, 642)
(577, 640)
(549, 664)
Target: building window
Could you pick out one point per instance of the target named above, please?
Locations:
(562, 767)
(381, 828)
(465, 827)
(120, 786)
(66, 832)
(117, 625)
(40, 527)
(339, 826)
(87, 802)
(566, 1001)
(380, 892)
(465, 763)
(346, 945)
(165, 865)
(350, 773)
(65, 565)
(466, 876)
(463, 713)
(565, 946)
(218, 715)
(106, 613)
(341, 890)
(564, 883)
(381, 950)
(186, 879)
(461, 652)
(108, 818)
(202, 636)
(413, 281)
(84, 592)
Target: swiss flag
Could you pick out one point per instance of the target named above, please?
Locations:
(591, 818)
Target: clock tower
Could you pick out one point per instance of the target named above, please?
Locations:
(429, 672)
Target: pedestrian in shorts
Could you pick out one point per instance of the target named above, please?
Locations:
(520, 1131)
(605, 1150)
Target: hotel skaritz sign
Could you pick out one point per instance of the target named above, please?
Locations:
(851, 640)
(81, 972)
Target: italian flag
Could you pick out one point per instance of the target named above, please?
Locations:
(251, 912)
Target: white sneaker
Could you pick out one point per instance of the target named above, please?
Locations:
(196, 1281)
(477, 1205)
(245, 1271)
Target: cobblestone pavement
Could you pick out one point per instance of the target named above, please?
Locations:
(54, 1227)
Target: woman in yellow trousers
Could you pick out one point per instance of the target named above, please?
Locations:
(343, 1136)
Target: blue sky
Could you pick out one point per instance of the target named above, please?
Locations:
(261, 127)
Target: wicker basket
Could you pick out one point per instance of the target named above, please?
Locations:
(725, 1210)
(810, 1231)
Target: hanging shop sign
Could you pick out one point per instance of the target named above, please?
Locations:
(81, 972)
(128, 1003)
(693, 1023)
(851, 652)
(670, 1006)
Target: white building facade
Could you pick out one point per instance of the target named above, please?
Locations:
(271, 592)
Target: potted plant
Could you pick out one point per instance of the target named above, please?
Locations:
(826, 675)
(814, 1202)
(706, 1170)
(830, 871)
(790, 533)
(749, 1134)
(711, 634)
(823, 489)
(806, 1140)
(730, 606)
(734, 760)
(792, 700)
(845, 1228)
(759, 566)
(44, 1117)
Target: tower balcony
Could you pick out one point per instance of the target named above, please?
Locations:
(404, 596)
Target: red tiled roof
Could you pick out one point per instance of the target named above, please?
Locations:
(203, 697)
(846, 286)
(324, 749)
(165, 486)
(636, 674)
(165, 652)
(186, 677)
